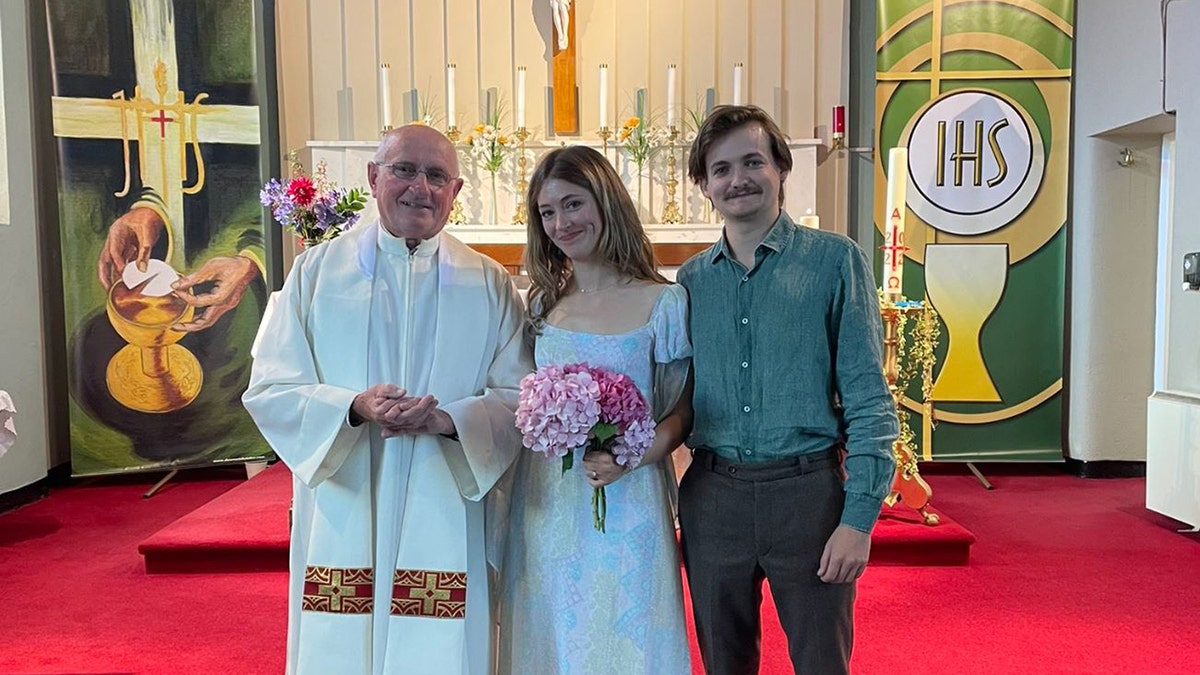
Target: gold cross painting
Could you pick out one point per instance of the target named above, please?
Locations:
(156, 112)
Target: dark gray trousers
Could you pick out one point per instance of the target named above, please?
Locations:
(741, 523)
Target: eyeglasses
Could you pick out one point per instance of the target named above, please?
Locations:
(408, 172)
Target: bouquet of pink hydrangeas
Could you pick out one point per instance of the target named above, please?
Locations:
(572, 406)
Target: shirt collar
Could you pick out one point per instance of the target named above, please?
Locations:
(393, 245)
(777, 239)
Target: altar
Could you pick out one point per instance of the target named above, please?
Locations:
(489, 215)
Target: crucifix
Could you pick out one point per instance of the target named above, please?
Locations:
(566, 104)
(174, 125)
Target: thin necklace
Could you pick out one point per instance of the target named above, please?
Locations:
(599, 288)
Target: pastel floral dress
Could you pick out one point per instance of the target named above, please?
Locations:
(580, 601)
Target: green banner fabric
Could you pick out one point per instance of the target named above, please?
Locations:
(156, 119)
(979, 93)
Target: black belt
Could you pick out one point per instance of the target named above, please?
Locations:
(795, 465)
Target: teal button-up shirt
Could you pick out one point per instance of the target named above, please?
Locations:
(788, 358)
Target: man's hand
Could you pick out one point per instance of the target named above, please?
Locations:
(230, 276)
(845, 556)
(417, 416)
(130, 238)
(374, 403)
(601, 468)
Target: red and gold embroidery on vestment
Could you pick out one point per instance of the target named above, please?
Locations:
(438, 595)
(338, 590)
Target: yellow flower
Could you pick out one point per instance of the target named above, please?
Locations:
(632, 123)
(470, 140)
(624, 134)
(503, 140)
(479, 128)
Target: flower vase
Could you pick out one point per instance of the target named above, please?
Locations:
(494, 221)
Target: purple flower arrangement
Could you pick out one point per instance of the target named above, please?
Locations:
(313, 207)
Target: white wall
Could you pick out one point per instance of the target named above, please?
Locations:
(1173, 437)
(21, 345)
(1114, 225)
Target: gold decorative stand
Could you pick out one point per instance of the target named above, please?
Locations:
(604, 133)
(671, 213)
(901, 363)
(457, 216)
(522, 215)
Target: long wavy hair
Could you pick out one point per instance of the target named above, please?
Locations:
(623, 244)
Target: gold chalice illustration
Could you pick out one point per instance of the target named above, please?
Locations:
(151, 374)
(965, 282)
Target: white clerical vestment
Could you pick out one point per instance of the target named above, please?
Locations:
(389, 562)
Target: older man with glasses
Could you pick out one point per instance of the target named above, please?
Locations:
(387, 381)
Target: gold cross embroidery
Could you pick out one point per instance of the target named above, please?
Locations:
(429, 594)
(335, 589)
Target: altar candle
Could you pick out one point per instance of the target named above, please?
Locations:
(521, 97)
(450, 111)
(737, 84)
(603, 95)
(671, 95)
(385, 93)
(893, 233)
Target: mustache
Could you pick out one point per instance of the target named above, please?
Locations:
(744, 191)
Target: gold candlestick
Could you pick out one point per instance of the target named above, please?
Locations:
(457, 215)
(908, 485)
(522, 214)
(671, 213)
(604, 133)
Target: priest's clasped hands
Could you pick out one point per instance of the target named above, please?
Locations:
(397, 413)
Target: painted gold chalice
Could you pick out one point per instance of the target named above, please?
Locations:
(152, 373)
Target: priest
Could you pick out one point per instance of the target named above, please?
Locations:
(386, 378)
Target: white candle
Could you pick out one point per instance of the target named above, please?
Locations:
(450, 111)
(603, 95)
(737, 84)
(385, 93)
(671, 95)
(521, 97)
(894, 215)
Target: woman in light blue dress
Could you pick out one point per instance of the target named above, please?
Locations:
(576, 600)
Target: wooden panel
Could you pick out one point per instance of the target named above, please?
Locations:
(324, 50)
(631, 70)
(666, 47)
(496, 69)
(394, 31)
(362, 71)
(832, 71)
(597, 36)
(799, 65)
(564, 75)
(699, 39)
(462, 49)
(733, 45)
(513, 255)
(766, 53)
(530, 50)
(295, 81)
(428, 53)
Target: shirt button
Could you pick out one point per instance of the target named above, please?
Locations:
(745, 279)
(746, 409)
(745, 321)
(745, 364)
(748, 453)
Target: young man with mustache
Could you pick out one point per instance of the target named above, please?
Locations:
(787, 342)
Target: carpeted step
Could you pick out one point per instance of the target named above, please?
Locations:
(246, 530)
(243, 530)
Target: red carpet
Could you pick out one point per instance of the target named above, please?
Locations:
(245, 529)
(1067, 576)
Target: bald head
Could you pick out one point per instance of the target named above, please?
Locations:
(423, 137)
(414, 179)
